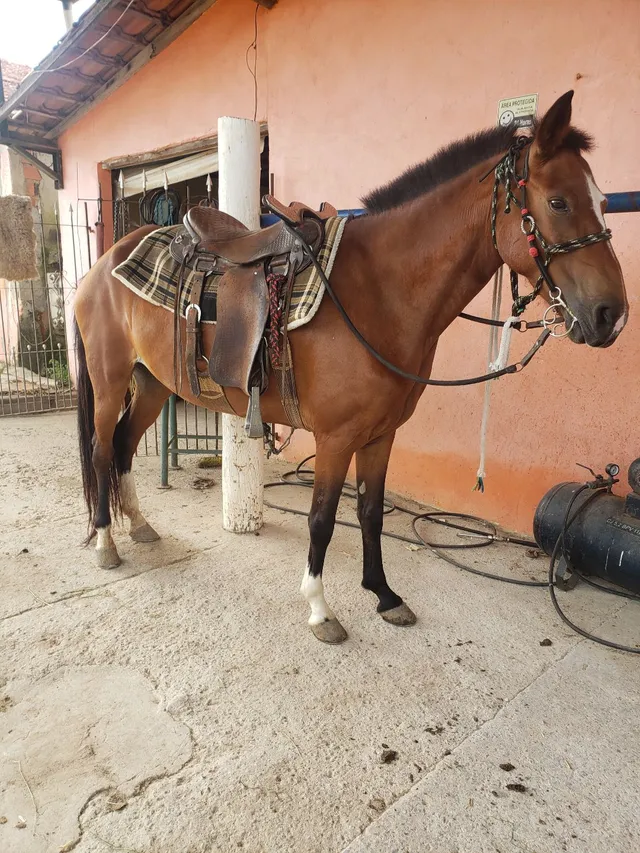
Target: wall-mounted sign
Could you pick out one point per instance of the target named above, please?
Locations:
(520, 111)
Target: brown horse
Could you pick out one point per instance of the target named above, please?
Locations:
(431, 241)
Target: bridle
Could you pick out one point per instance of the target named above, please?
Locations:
(541, 251)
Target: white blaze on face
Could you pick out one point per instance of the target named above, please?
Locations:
(312, 589)
(597, 197)
(596, 200)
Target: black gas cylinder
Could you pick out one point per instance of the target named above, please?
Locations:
(603, 534)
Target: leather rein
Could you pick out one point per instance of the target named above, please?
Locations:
(506, 175)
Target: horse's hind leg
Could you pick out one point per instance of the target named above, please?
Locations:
(148, 399)
(109, 392)
(371, 470)
(330, 471)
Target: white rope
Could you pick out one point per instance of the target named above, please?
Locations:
(505, 344)
(495, 355)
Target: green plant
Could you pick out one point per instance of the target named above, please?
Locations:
(59, 372)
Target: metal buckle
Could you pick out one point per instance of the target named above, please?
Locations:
(195, 308)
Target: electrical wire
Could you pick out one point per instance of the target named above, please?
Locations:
(304, 477)
(254, 71)
(89, 49)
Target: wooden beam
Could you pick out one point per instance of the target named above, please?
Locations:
(44, 113)
(161, 15)
(32, 143)
(55, 176)
(57, 92)
(78, 75)
(121, 35)
(155, 47)
(107, 60)
(169, 152)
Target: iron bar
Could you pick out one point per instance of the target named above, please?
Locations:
(86, 219)
(73, 242)
(164, 445)
(36, 347)
(173, 440)
(19, 341)
(47, 297)
(7, 354)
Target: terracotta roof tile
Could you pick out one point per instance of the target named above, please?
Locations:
(12, 75)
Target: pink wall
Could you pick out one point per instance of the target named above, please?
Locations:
(354, 93)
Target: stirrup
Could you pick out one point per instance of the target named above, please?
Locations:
(253, 423)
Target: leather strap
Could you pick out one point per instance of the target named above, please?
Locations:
(284, 372)
(192, 346)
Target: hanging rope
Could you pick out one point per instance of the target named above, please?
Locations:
(492, 356)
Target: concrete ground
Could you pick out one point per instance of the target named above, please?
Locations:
(179, 704)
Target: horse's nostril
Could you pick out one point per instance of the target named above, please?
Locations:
(604, 317)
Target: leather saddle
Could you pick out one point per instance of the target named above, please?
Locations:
(215, 243)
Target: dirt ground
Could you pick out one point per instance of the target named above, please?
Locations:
(179, 704)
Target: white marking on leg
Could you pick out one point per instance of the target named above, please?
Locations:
(362, 488)
(105, 540)
(312, 589)
(130, 505)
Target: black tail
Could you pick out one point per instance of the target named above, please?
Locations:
(86, 411)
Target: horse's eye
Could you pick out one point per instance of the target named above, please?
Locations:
(559, 205)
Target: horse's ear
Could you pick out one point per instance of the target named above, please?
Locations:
(554, 127)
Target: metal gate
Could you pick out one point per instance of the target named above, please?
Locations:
(36, 351)
(37, 346)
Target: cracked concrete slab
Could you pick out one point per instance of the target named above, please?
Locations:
(538, 777)
(75, 735)
(201, 640)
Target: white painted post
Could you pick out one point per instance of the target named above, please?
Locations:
(239, 195)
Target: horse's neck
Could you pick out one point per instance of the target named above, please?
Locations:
(433, 255)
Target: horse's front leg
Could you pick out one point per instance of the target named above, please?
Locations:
(371, 469)
(330, 472)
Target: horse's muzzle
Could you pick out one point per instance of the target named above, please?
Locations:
(598, 326)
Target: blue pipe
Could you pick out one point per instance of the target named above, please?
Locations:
(616, 203)
(623, 202)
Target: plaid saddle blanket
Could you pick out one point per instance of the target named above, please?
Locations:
(152, 273)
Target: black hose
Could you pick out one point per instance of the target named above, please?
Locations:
(560, 546)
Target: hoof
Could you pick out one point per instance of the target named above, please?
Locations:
(330, 631)
(108, 558)
(400, 615)
(145, 533)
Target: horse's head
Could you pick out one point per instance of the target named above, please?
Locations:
(565, 206)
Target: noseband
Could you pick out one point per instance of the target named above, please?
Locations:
(540, 250)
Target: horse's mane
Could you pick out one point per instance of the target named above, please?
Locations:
(454, 160)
